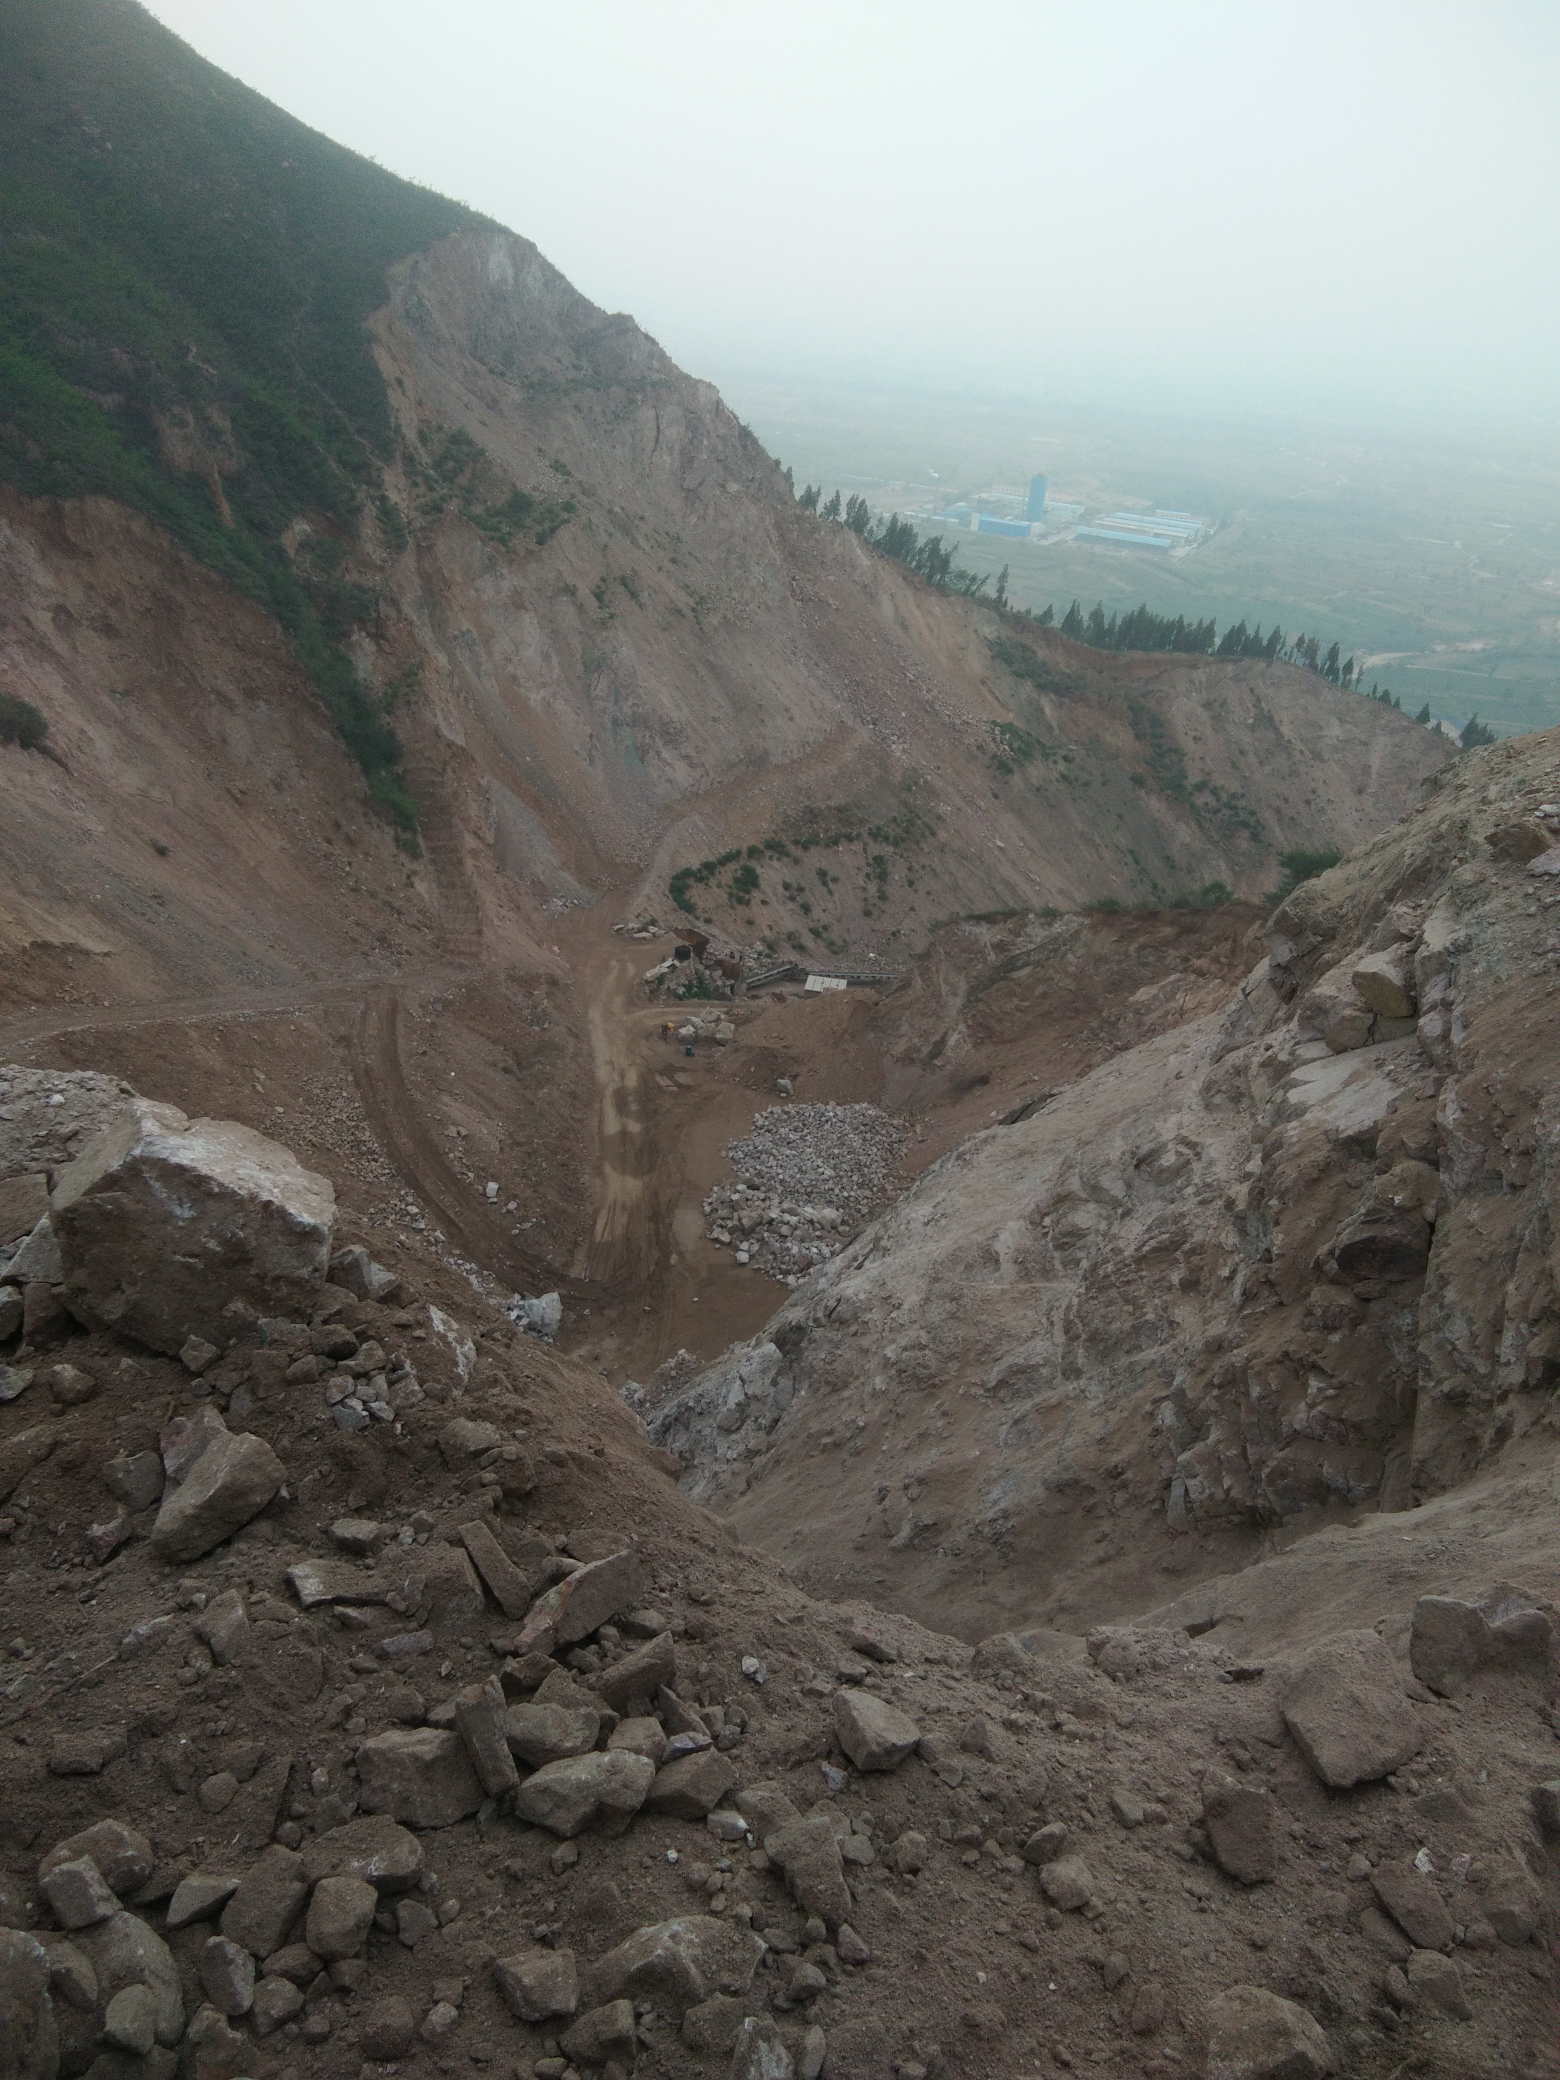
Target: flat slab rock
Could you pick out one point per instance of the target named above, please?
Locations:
(1345, 1707)
(163, 1220)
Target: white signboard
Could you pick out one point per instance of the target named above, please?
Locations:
(826, 982)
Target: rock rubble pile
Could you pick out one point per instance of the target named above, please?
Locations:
(807, 1177)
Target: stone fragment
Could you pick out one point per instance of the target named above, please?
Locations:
(414, 1922)
(1519, 840)
(807, 1851)
(77, 1893)
(266, 1902)
(1383, 1934)
(130, 2020)
(199, 1898)
(1241, 1829)
(709, 2030)
(354, 1270)
(29, 2035)
(195, 1354)
(813, 2053)
(223, 1627)
(276, 2001)
(639, 1676)
(387, 2030)
(1127, 1806)
(451, 1598)
(314, 1582)
(1256, 2035)
(1384, 981)
(766, 1807)
(1345, 1707)
(1435, 1982)
(227, 1972)
(543, 1733)
(163, 1221)
(565, 1797)
(83, 1754)
(229, 1481)
(419, 1775)
(122, 1853)
(1512, 1899)
(463, 1440)
(601, 2034)
(1068, 1884)
(341, 1912)
(376, 1849)
(24, 1202)
(135, 1479)
(1414, 1904)
(675, 1965)
(71, 1977)
(639, 1737)
(480, 1722)
(123, 1951)
(511, 1587)
(295, 1961)
(849, 1945)
(359, 1536)
(538, 1983)
(908, 1853)
(37, 1262)
(690, 1788)
(573, 1608)
(439, 2021)
(875, 1734)
(760, 2052)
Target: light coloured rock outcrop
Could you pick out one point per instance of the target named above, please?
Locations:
(1235, 1277)
(163, 1220)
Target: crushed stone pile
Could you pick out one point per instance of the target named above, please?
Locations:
(807, 1177)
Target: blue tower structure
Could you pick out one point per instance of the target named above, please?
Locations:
(1035, 510)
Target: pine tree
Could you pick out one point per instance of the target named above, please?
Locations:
(857, 513)
(1424, 715)
(1000, 597)
(809, 498)
(832, 510)
(1072, 622)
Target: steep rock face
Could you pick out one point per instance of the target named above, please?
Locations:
(1232, 1280)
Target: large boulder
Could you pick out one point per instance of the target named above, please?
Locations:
(122, 1853)
(29, 2039)
(419, 1775)
(163, 1220)
(123, 1951)
(217, 1480)
(677, 1964)
(565, 1797)
(808, 1852)
(1345, 1706)
(1256, 2035)
(875, 1734)
(573, 1609)
(378, 1850)
(538, 1983)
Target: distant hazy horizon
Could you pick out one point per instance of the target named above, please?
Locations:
(1319, 209)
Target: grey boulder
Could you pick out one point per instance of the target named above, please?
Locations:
(163, 1220)
(229, 1480)
(1345, 1707)
(565, 1797)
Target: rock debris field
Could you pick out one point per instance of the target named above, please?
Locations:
(458, 1739)
(807, 1177)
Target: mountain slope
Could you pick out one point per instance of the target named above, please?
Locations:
(1243, 1278)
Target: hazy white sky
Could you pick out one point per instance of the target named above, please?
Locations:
(1247, 202)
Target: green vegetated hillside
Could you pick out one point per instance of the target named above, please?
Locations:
(185, 275)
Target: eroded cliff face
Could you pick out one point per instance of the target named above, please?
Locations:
(1288, 1263)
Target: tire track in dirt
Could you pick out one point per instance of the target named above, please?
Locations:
(374, 1049)
(623, 1247)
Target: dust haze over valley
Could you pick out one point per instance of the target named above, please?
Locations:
(758, 1318)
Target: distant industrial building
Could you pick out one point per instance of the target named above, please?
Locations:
(1163, 529)
(1035, 509)
(987, 523)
